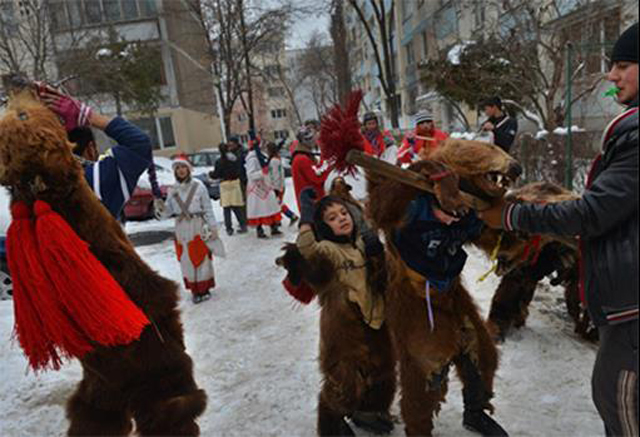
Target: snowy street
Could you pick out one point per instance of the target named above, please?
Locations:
(255, 354)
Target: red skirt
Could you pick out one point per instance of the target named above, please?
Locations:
(266, 221)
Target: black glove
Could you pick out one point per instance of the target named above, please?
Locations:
(372, 244)
(307, 205)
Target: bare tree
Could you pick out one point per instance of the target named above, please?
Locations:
(381, 43)
(340, 53)
(318, 70)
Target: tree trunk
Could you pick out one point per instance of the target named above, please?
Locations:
(340, 53)
(243, 30)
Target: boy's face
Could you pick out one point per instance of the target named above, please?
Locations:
(625, 76)
(490, 110)
(426, 126)
(337, 217)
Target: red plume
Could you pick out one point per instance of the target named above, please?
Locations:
(340, 133)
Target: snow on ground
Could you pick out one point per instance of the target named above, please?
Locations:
(255, 354)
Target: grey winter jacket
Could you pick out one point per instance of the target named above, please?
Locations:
(606, 220)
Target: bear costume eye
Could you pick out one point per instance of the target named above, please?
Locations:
(23, 116)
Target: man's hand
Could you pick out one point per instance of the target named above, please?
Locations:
(488, 126)
(493, 216)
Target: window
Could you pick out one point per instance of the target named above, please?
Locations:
(278, 113)
(280, 134)
(275, 92)
(8, 25)
(409, 52)
(75, 13)
(93, 11)
(148, 8)
(160, 131)
(166, 128)
(129, 9)
(447, 20)
(425, 44)
(112, 10)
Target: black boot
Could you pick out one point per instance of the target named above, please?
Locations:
(476, 399)
(260, 232)
(373, 422)
(275, 230)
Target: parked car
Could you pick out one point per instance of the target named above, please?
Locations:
(6, 285)
(203, 163)
(212, 185)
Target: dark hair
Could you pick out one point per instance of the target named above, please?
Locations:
(223, 148)
(234, 139)
(322, 230)
(81, 137)
(311, 121)
(492, 101)
(272, 149)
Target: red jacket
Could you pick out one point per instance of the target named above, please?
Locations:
(369, 148)
(305, 172)
(411, 146)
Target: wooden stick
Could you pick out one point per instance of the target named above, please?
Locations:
(425, 138)
(420, 181)
(405, 176)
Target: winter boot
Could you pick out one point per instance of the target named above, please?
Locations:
(260, 232)
(229, 232)
(373, 422)
(476, 397)
(243, 229)
(275, 230)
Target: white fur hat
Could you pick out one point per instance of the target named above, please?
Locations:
(181, 159)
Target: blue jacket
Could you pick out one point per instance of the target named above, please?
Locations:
(431, 247)
(115, 175)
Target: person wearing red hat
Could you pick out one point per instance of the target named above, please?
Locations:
(196, 229)
(605, 218)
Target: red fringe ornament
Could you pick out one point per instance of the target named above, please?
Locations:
(91, 298)
(340, 133)
(302, 292)
(28, 327)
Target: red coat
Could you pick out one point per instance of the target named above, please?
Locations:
(411, 146)
(305, 172)
(369, 148)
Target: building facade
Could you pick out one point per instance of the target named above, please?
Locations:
(186, 119)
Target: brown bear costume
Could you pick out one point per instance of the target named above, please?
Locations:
(460, 336)
(149, 380)
(357, 362)
(523, 260)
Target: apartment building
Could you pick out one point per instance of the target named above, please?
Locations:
(274, 114)
(423, 29)
(186, 120)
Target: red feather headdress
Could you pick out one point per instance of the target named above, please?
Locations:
(340, 133)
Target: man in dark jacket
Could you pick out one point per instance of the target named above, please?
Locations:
(606, 220)
(503, 127)
(229, 168)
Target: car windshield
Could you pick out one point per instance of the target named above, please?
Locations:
(199, 160)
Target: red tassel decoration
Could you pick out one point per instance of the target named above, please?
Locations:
(302, 293)
(28, 329)
(90, 296)
(340, 133)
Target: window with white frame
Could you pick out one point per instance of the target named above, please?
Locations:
(77, 13)
(159, 129)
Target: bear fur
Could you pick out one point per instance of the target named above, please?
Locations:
(521, 272)
(149, 380)
(357, 362)
(460, 337)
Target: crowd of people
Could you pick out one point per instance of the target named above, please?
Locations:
(252, 189)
